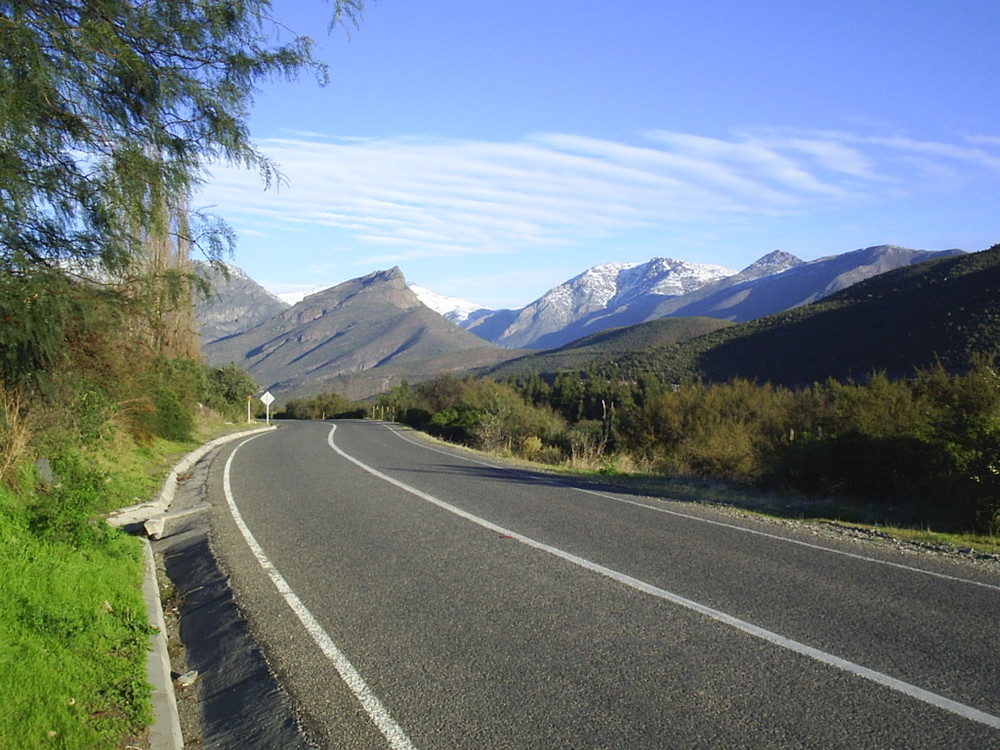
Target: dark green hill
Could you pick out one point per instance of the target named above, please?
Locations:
(906, 318)
(611, 344)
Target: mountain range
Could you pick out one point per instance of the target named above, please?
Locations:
(368, 334)
(945, 310)
(615, 295)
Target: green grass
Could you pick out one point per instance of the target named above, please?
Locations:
(981, 543)
(73, 627)
(73, 636)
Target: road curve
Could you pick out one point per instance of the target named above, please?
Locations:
(410, 595)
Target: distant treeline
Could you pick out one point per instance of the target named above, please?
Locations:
(928, 446)
(322, 406)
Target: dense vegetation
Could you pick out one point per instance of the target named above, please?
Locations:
(925, 449)
(110, 111)
(323, 406)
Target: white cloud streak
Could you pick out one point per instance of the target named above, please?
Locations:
(418, 198)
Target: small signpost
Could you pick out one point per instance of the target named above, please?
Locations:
(267, 399)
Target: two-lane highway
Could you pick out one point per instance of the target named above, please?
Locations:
(411, 595)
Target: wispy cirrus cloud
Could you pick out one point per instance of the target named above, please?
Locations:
(409, 198)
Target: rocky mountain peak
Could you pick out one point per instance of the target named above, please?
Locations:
(393, 278)
(772, 263)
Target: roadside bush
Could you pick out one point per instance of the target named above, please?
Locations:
(65, 512)
(457, 424)
(584, 443)
(415, 417)
(166, 416)
(931, 444)
(729, 431)
(228, 388)
(881, 469)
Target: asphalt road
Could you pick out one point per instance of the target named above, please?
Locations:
(410, 595)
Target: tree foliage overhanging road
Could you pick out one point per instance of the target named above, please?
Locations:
(110, 111)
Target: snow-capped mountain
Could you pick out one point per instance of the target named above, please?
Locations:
(774, 262)
(455, 309)
(608, 286)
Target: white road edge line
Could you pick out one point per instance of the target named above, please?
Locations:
(939, 701)
(393, 733)
(723, 524)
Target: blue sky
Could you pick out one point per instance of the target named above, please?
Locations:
(493, 150)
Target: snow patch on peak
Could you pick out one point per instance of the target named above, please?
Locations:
(455, 309)
(294, 298)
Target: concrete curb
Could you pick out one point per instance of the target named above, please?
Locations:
(157, 508)
(165, 732)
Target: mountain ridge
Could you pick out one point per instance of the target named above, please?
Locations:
(943, 311)
(617, 295)
(363, 324)
(541, 323)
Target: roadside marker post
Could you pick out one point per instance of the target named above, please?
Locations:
(267, 399)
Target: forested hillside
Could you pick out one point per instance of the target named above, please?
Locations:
(610, 345)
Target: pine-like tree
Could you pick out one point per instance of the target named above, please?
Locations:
(110, 111)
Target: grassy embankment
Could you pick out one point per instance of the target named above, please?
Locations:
(73, 627)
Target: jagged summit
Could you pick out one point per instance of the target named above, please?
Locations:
(549, 321)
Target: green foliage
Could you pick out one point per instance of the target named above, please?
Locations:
(43, 314)
(727, 431)
(168, 418)
(65, 512)
(110, 112)
(481, 413)
(323, 406)
(928, 447)
(110, 109)
(227, 390)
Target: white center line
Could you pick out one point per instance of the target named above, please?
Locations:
(393, 733)
(934, 699)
